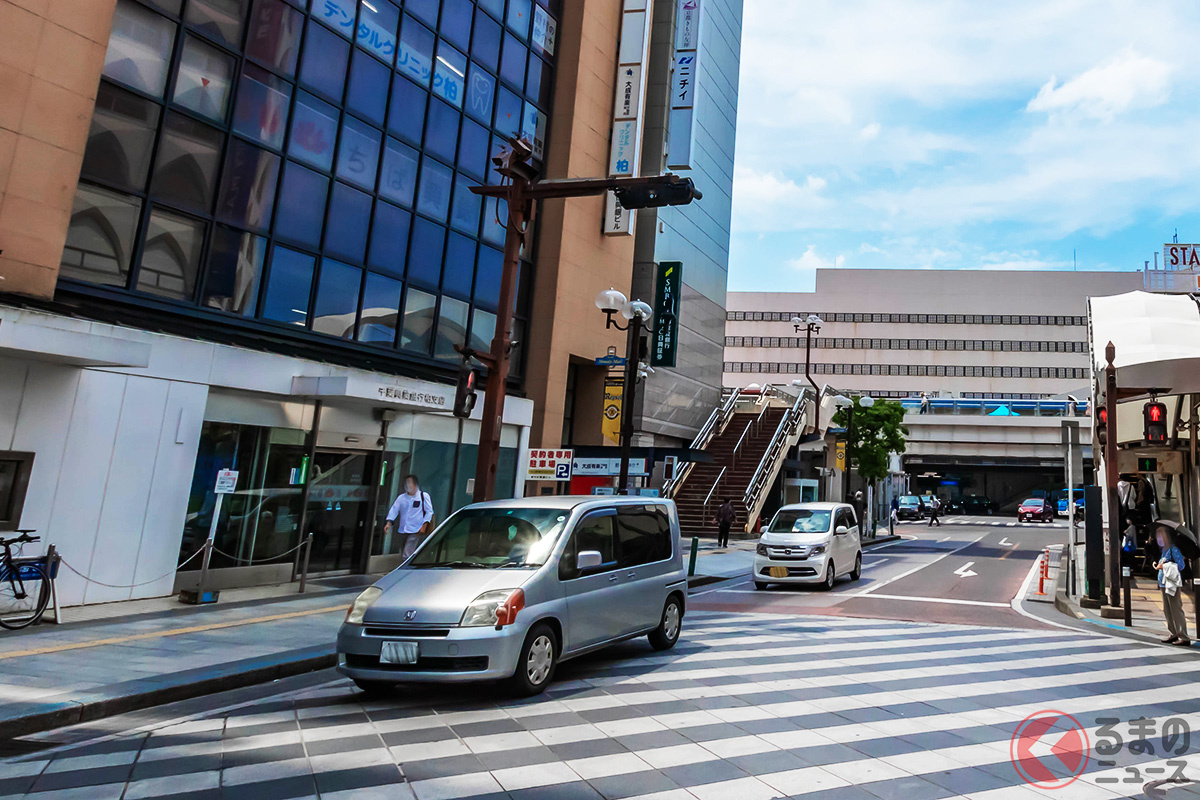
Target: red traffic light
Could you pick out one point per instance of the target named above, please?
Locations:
(1103, 415)
(1102, 426)
(1154, 423)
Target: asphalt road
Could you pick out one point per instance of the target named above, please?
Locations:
(964, 573)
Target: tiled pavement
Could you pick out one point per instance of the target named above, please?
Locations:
(746, 707)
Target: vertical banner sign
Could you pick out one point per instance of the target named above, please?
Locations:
(666, 313)
(614, 393)
(684, 71)
(625, 153)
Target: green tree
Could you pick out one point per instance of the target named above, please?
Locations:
(877, 432)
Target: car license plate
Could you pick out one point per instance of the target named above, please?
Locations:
(398, 653)
(778, 572)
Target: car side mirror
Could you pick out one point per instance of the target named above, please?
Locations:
(840, 529)
(588, 559)
(763, 528)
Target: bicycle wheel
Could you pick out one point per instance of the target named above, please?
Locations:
(23, 595)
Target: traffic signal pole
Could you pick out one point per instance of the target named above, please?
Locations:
(1112, 475)
(521, 189)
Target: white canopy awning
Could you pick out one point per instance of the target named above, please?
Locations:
(1156, 336)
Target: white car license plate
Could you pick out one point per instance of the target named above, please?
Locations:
(398, 653)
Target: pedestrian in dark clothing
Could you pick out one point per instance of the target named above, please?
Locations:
(921, 507)
(895, 509)
(725, 516)
(935, 506)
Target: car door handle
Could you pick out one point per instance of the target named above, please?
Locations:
(612, 578)
(630, 574)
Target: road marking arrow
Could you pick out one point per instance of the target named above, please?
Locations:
(965, 570)
(1006, 543)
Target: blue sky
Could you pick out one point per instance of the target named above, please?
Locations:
(960, 134)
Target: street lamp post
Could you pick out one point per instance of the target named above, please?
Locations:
(865, 401)
(638, 314)
(811, 325)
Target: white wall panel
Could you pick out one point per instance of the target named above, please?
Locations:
(42, 425)
(12, 386)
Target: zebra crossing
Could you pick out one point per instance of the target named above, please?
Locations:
(992, 522)
(747, 706)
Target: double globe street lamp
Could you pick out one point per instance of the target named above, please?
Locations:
(639, 316)
(811, 325)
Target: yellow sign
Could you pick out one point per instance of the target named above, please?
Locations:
(614, 392)
(840, 456)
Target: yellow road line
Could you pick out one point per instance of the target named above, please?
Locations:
(58, 648)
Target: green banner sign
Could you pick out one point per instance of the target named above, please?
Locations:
(668, 296)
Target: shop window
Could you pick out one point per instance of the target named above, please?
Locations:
(202, 84)
(301, 205)
(219, 20)
(519, 14)
(399, 179)
(434, 197)
(15, 468)
(380, 310)
(377, 29)
(248, 187)
(171, 255)
(346, 228)
(512, 63)
(417, 333)
(358, 153)
(389, 238)
(481, 91)
(450, 75)
(323, 68)
(441, 131)
(425, 255)
(337, 14)
(100, 238)
(414, 56)
(459, 267)
(185, 172)
(367, 95)
(465, 214)
(337, 299)
(452, 329)
(314, 131)
(235, 262)
(262, 107)
(139, 48)
(456, 21)
(274, 38)
(289, 287)
(406, 115)
(121, 138)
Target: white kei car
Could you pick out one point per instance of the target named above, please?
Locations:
(809, 543)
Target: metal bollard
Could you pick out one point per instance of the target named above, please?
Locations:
(692, 559)
(308, 540)
(208, 546)
(1126, 591)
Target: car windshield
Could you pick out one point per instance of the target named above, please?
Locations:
(1033, 503)
(908, 501)
(801, 520)
(492, 538)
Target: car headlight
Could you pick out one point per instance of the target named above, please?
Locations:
(498, 607)
(361, 604)
(816, 551)
(760, 549)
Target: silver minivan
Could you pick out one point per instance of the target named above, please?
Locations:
(508, 589)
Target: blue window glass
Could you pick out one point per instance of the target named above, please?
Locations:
(434, 197)
(473, 149)
(399, 179)
(301, 205)
(452, 328)
(495, 7)
(465, 215)
(337, 299)
(508, 112)
(441, 131)
(533, 128)
(314, 132)
(512, 63)
(424, 10)
(346, 225)
(235, 262)
(380, 310)
(406, 114)
(337, 14)
(520, 12)
(487, 278)
(450, 75)
(419, 314)
(483, 330)
(289, 287)
(538, 82)
(389, 238)
(495, 218)
(262, 106)
(456, 21)
(425, 253)
(460, 266)
(485, 46)
(274, 38)
(481, 91)
(367, 95)
(414, 56)
(377, 29)
(494, 178)
(323, 68)
(248, 187)
(358, 153)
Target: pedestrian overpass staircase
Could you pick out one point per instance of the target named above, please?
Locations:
(748, 436)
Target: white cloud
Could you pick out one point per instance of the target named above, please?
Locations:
(870, 132)
(1125, 82)
(811, 260)
(775, 202)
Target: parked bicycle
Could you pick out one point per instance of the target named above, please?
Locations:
(24, 584)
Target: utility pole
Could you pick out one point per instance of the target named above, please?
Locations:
(522, 189)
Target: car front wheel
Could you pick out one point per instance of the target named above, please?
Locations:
(827, 584)
(857, 571)
(666, 634)
(535, 665)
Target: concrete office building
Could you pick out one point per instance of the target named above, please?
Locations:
(238, 234)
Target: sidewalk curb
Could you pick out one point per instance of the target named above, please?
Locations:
(144, 693)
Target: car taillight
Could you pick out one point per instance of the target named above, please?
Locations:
(506, 612)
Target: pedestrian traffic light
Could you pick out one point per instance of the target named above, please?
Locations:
(1154, 422)
(678, 192)
(465, 392)
(1102, 426)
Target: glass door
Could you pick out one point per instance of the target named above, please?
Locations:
(338, 508)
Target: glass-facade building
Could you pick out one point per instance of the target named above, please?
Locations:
(302, 168)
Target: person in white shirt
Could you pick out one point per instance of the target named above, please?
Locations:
(413, 515)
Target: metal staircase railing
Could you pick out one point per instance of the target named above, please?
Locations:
(715, 424)
(786, 435)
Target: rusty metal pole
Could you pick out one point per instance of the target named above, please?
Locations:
(1112, 475)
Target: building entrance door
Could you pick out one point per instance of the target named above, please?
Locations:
(339, 508)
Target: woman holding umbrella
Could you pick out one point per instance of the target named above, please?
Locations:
(1171, 567)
